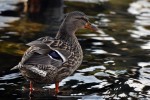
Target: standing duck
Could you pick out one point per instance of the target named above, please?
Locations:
(49, 60)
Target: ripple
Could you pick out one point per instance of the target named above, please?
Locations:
(12, 33)
(116, 72)
(5, 20)
(5, 37)
(109, 61)
(89, 34)
(114, 54)
(8, 84)
(135, 84)
(89, 1)
(98, 52)
(146, 46)
(140, 32)
(92, 97)
(106, 20)
(138, 7)
(141, 8)
(78, 76)
(10, 76)
(4, 7)
(143, 64)
(143, 80)
(12, 1)
(3, 25)
(145, 22)
(122, 95)
(102, 74)
(144, 76)
(97, 43)
(1, 40)
(103, 38)
(92, 68)
(133, 94)
(2, 89)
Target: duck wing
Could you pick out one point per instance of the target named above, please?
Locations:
(47, 51)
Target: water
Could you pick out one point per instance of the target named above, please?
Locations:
(116, 61)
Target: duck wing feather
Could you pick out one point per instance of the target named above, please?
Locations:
(47, 51)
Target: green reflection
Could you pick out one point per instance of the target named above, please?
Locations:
(25, 26)
(12, 48)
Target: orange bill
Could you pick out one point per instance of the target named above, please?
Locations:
(90, 27)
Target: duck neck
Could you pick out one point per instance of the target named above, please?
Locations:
(67, 33)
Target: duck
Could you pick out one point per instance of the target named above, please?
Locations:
(49, 60)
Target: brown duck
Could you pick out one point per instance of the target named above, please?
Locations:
(49, 60)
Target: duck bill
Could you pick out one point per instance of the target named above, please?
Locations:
(90, 27)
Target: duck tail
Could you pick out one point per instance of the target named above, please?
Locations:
(15, 67)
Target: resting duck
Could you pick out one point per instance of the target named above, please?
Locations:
(49, 60)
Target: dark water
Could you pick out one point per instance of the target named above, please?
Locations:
(116, 63)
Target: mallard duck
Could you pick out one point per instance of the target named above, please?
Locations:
(49, 60)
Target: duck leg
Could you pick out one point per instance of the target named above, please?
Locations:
(31, 88)
(56, 88)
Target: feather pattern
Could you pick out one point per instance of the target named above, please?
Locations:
(49, 60)
(54, 52)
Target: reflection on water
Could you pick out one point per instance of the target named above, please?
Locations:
(4, 20)
(116, 61)
(141, 32)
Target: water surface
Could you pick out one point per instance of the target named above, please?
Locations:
(116, 62)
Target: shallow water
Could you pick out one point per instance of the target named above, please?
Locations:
(116, 61)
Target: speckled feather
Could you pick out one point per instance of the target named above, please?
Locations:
(40, 64)
(36, 57)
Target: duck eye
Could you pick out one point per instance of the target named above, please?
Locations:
(82, 18)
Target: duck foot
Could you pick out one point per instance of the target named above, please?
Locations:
(31, 89)
(56, 88)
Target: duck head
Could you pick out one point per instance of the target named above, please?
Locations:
(76, 20)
